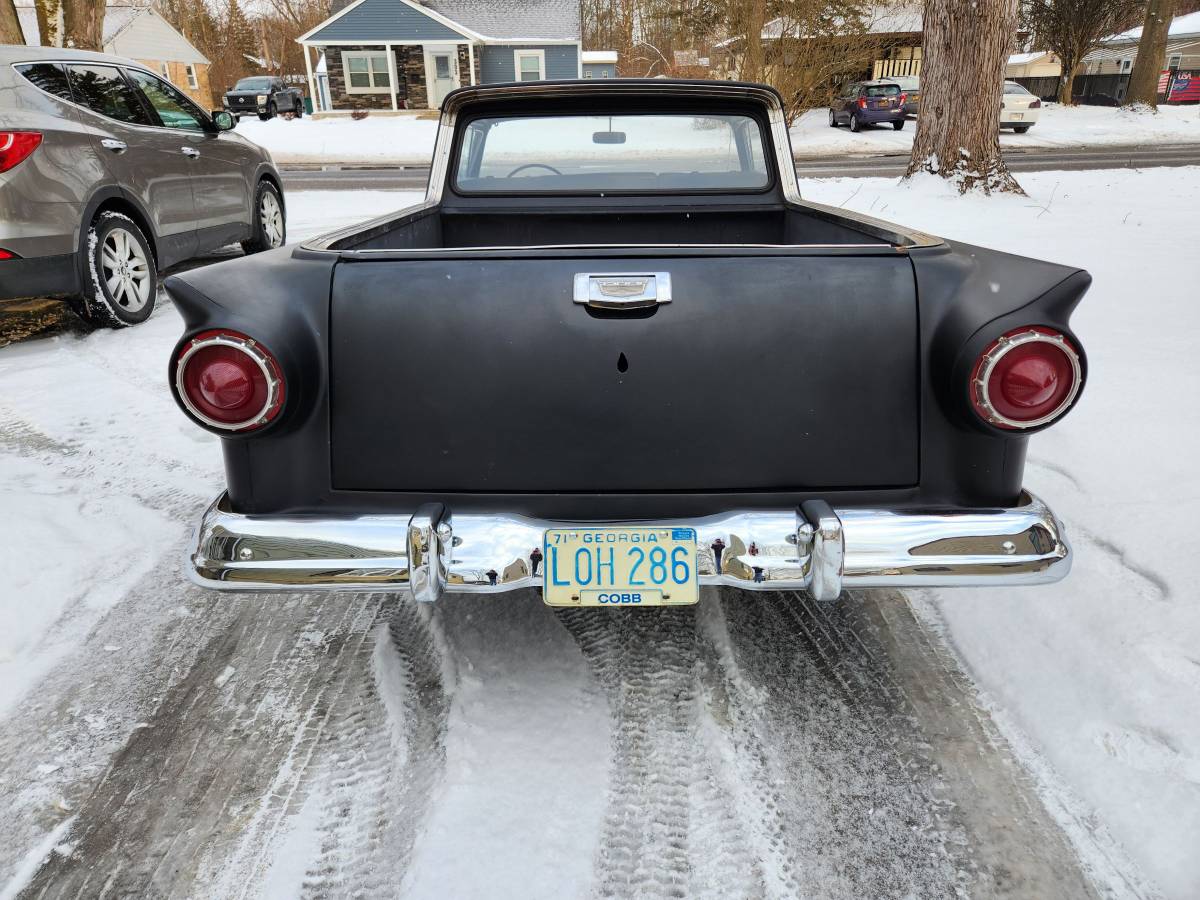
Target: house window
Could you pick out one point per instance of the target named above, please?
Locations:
(1126, 66)
(193, 83)
(1174, 60)
(367, 72)
(604, 73)
(587, 73)
(530, 65)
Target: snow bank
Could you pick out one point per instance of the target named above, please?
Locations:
(1058, 126)
(375, 140)
(384, 140)
(1102, 671)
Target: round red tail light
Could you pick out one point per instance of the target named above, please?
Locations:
(1027, 378)
(228, 381)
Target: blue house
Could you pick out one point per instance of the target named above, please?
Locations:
(404, 54)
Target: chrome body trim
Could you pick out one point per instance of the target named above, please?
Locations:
(622, 290)
(817, 548)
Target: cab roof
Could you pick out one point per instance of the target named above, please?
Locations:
(613, 90)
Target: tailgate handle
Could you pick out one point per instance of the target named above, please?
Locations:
(622, 290)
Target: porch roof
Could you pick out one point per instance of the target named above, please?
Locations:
(406, 21)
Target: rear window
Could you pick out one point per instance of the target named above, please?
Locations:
(1015, 89)
(617, 153)
(50, 77)
(883, 90)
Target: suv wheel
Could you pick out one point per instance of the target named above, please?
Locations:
(899, 126)
(270, 226)
(832, 119)
(854, 123)
(270, 113)
(300, 108)
(121, 281)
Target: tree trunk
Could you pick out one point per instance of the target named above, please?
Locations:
(1066, 84)
(756, 18)
(48, 22)
(10, 25)
(83, 24)
(966, 46)
(1143, 83)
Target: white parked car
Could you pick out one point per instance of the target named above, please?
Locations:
(1019, 109)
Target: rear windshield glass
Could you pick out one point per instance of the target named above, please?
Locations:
(599, 154)
(1014, 89)
(883, 90)
(252, 84)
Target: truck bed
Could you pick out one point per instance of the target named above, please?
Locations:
(431, 227)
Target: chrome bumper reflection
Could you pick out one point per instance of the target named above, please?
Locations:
(815, 548)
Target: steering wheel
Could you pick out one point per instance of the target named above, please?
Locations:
(532, 166)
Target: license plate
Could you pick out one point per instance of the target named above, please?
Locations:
(1018, 115)
(620, 566)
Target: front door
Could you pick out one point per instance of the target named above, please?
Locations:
(218, 164)
(441, 73)
(145, 160)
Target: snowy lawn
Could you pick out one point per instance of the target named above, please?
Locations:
(1098, 677)
(1058, 126)
(383, 140)
(375, 140)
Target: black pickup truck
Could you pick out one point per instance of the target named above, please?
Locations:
(265, 95)
(615, 355)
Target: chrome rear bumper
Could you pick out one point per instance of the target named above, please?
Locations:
(815, 548)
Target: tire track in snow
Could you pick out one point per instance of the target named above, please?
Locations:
(388, 755)
(862, 814)
(670, 829)
(193, 802)
(900, 784)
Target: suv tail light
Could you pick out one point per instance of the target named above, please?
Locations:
(1036, 104)
(903, 99)
(15, 147)
(229, 382)
(862, 102)
(7, 254)
(1027, 378)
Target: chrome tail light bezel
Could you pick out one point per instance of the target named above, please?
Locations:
(262, 358)
(985, 366)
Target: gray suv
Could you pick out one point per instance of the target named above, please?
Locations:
(109, 175)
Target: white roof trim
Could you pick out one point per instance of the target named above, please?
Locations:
(433, 14)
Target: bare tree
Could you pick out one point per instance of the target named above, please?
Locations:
(1074, 28)
(966, 47)
(1143, 83)
(10, 25)
(83, 24)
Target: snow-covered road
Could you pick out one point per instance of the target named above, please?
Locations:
(157, 740)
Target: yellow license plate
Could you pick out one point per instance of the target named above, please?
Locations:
(620, 566)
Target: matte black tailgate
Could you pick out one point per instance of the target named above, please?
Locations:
(482, 375)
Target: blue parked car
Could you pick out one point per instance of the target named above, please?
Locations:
(868, 103)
